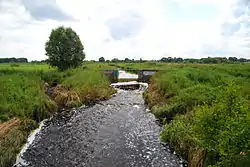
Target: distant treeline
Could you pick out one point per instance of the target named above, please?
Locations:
(209, 60)
(13, 60)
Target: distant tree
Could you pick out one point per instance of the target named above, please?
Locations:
(208, 60)
(127, 60)
(164, 59)
(232, 59)
(191, 60)
(170, 59)
(101, 59)
(115, 60)
(64, 48)
(178, 60)
(242, 60)
(13, 60)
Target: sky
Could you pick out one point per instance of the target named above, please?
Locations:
(134, 29)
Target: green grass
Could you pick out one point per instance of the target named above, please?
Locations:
(25, 67)
(23, 95)
(194, 101)
(185, 91)
(86, 87)
(22, 87)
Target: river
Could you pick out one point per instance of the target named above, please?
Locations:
(119, 132)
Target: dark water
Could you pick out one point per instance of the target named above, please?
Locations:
(119, 132)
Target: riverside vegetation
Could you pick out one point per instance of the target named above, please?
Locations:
(205, 110)
(31, 93)
(24, 102)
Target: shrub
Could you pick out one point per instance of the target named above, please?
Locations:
(224, 128)
(14, 65)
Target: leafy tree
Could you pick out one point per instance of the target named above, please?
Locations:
(64, 48)
(101, 59)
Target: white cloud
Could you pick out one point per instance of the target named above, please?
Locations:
(133, 29)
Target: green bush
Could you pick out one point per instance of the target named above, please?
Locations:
(224, 128)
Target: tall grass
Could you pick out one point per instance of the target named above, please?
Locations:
(23, 95)
(206, 112)
(84, 87)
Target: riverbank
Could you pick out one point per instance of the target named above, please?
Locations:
(205, 111)
(25, 102)
(117, 132)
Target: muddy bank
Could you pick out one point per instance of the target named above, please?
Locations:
(117, 132)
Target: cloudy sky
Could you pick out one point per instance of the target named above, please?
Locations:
(148, 29)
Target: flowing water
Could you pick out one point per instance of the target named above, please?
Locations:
(119, 132)
(125, 75)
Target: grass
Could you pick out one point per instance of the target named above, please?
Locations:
(25, 67)
(178, 95)
(23, 97)
(13, 139)
(204, 108)
(85, 87)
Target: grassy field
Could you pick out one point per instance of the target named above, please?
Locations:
(205, 110)
(24, 102)
(25, 67)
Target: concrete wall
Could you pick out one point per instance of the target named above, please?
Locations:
(145, 75)
(112, 75)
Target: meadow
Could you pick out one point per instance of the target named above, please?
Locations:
(204, 109)
(24, 100)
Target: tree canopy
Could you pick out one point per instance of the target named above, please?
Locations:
(101, 59)
(64, 48)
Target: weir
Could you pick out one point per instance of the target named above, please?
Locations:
(141, 76)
